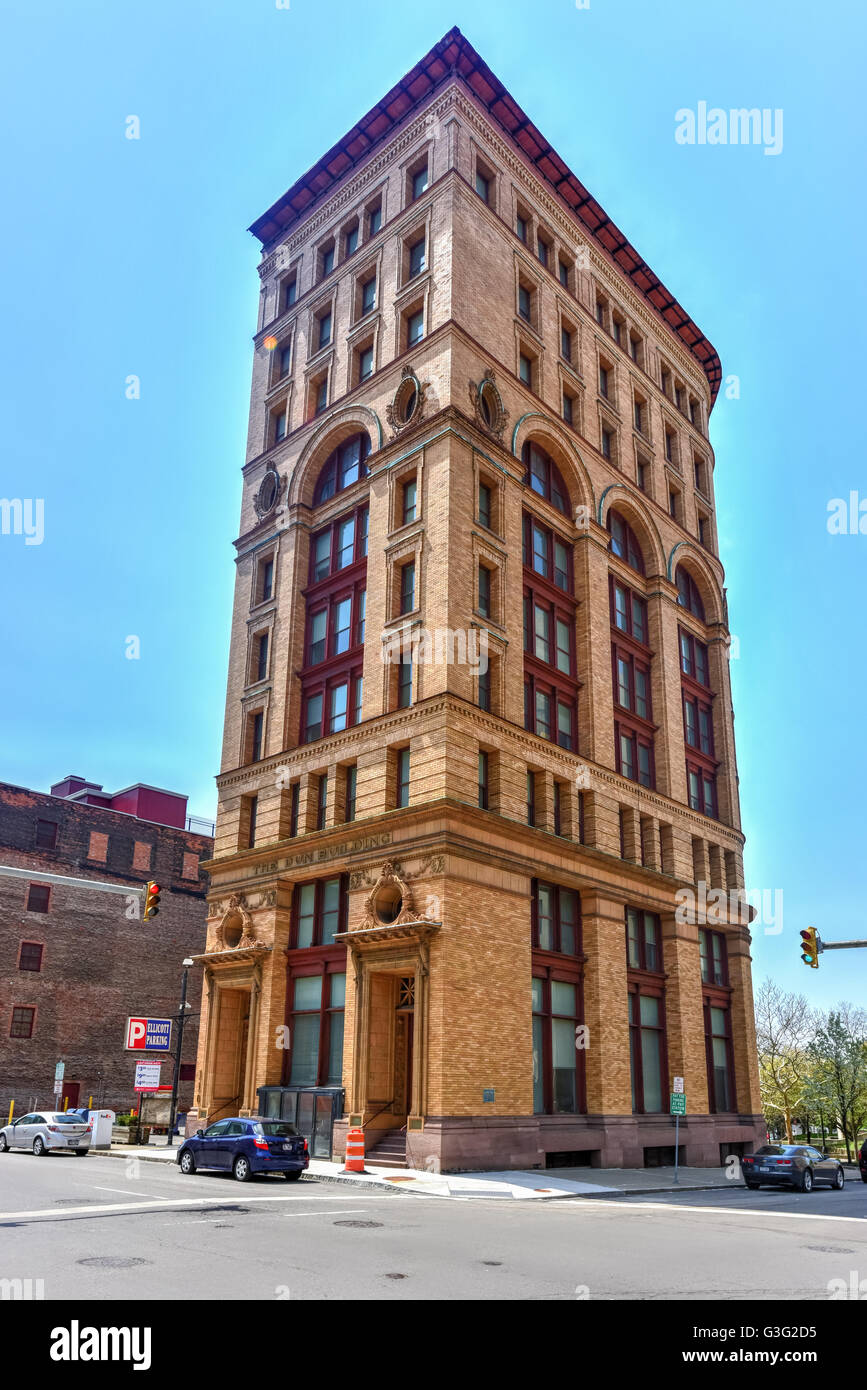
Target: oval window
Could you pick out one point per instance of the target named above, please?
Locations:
(389, 901)
(268, 492)
(406, 400)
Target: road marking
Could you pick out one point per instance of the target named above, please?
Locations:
(717, 1211)
(163, 1203)
(128, 1192)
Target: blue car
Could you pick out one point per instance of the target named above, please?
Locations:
(244, 1147)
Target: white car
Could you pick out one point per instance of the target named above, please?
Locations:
(45, 1130)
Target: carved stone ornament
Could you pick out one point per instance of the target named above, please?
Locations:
(235, 927)
(390, 902)
(268, 493)
(488, 405)
(407, 405)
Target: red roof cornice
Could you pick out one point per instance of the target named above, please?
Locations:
(453, 57)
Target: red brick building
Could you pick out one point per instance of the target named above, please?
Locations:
(76, 961)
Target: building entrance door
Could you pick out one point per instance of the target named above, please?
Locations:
(70, 1097)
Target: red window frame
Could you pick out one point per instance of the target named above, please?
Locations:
(707, 940)
(558, 892)
(624, 543)
(650, 958)
(688, 594)
(544, 678)
(636, 990)
(546, 975)
(337, 668)
(711, 1002)
(30, 947)
(543, 477)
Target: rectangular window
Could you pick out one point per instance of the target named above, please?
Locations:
(563, 269)
(294, 799)
(374, 219)
(607, 449)
(365, 363)
(402, 789)
(285, 361)
(646, 1037)
(312, 718)
(368, 295)
(542, 250)
(338, 699)
(350, 241)
(404, 683)
(325, 330)
(555, 1056)
(30, 956)
(643, 940)
(531, 798)
(719, 1059)
(556, 914)
(321, 800)
(321, 395)
(567, 408)
(262, 657)
(485, 689)
(416, 258)
(46, 834)
(485, 505)
(250, 811)
(419, 182)
(522, 227)
(266, 580)
(603, 381)
(525, 302)
(290, 292)
(483, 187)
(407, 588)
(566, 344)
(484, 591)
(484, 780)
(38, 897)
(350, 792)
(326, 262)
(408, 510)
(672, 503)
(415, 328)
(257, 722)
(714, 958)
(525, 369)
(22, 1022)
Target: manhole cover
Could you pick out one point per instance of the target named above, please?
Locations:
(67, 1201)
(366, 1226)
(495, 1263)
(397, 1276)
(112, 1262)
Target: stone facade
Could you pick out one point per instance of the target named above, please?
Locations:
(98, 963)
(455, 935)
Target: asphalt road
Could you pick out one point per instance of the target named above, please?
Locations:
(110, 1228)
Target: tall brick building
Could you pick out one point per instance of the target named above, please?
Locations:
(77, 961)
(478, 729)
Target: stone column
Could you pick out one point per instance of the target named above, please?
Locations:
(606, 1009)
(684, 1016)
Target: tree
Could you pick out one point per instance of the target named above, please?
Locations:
(784, 1028)
(839, 1054)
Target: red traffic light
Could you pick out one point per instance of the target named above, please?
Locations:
(152, 900)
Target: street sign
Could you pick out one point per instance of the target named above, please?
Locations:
(677, 1085)
(148, 1035)
(58, 1088)
(59, 1070)
(678, 1103)
(147, 1076)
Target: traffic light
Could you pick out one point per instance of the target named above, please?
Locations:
(810, 948)
(152, 900)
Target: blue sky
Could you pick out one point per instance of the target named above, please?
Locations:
(132, 257)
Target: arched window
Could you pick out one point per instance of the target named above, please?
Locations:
(342, 468)
(543, 476)
(624, 542)
(688, 595)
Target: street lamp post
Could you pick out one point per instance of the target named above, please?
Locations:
(177, 1076)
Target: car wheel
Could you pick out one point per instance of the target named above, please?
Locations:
(39, 1146)
(839, 1179)
(807, 1180)
(293, 1177)
(241, 1170)
(4, 1146)
(753, 1186)
(80, 1153)
(864, 1177)
(186, 1162)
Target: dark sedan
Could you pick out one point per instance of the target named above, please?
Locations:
(246, 1147)
(791, 1165)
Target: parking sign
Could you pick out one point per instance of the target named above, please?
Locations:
(148, 1034)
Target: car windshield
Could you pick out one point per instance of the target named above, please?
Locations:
(778, 1149)
(276, 1129)
(65, 1118)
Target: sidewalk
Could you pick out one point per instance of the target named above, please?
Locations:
(513, 1185)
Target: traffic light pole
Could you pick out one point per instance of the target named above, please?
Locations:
(170, 1138)
(838, 945)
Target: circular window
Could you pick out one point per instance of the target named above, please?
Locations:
(406, 400)
(389, 901)
(232, 933)
(269, 491)
(488, 403)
